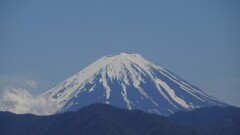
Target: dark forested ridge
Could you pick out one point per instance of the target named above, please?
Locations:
(102, 119)
(212, 120)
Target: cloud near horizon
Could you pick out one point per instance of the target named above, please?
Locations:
(17, 81)
(20, 101)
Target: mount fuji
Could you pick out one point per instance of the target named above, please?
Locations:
(132, 82)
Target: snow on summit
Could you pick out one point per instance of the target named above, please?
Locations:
(132, 82)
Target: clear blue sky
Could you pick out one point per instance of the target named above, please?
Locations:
(46, 41)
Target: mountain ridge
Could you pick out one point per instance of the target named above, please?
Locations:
(129, 81)
(104, 119)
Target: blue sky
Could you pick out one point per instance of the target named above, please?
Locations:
(44, 42)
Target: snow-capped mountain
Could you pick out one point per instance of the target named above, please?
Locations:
(132, 82)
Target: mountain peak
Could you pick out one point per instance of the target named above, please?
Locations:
(130, 55)
(132, 82)
(124, 55)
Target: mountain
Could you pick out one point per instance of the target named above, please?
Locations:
(96, 119)
(132, 82)
(212, 120)
(103, 119)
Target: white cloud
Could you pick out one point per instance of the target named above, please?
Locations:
(17, 81)
(20, 101)
(31, 83)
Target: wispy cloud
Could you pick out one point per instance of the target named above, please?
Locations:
(18, 100)
(31, 83)
(15, 96)
(17, 81)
